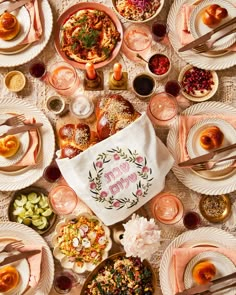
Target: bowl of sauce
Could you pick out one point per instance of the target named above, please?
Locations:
(159, 66)
(144, 86)
(15, 81)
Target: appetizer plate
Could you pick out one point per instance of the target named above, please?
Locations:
(23, 269)
(204, 236)
(224, 266)
(198, 28)
(83, 243)
(189, 178)
(194, 148)
(200, 97)
(73, 9)
(22, 16)
(112, 259)
(132, 19)
(203, 61)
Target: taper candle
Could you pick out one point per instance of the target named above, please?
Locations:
(117, 71)
(90, 71)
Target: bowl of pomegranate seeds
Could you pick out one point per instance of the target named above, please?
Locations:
(198, 84)
(159, 66)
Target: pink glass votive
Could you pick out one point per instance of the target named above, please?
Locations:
(137, 40)
(167, 208)
(162, 109)
(63, 199)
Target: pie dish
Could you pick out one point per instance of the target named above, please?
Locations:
(87, 48)
(87, 246)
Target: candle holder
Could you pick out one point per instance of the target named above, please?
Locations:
(94, 84)
(121, 84)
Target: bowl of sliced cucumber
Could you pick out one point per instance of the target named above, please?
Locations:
(30, 206)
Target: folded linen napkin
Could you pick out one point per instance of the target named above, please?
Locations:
(36, 30)
(182, 256)
(120, 174)
(187, 122)
(184, 32)
(34, 264)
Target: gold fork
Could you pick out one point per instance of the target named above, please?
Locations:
(15, 120)
(211, 164)
(209, 44)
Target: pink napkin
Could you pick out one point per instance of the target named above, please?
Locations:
(35, 31)
(34, 264)
(184, 32)
(31, 155)
(187, 122)
(182, 256)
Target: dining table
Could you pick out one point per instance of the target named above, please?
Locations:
(37, 91)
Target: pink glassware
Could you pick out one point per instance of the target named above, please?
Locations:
(63, 78)
(63, 200)
(167, 208)
(159, 30)
(192, 220)
(162, 109)
(137, 40)
(64, 281)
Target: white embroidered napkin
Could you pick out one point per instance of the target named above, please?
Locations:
(120, 174)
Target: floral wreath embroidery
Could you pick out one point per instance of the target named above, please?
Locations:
(142, 178)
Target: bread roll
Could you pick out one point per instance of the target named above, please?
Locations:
(9, 146)
(9, 26)
(9, 278)
(113, 114)
(213, 15)
(211, 138)
(204, 272)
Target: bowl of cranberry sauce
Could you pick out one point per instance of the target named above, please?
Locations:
(159, 66)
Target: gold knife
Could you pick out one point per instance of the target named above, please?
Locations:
(23, 255)
(207, 36)
(204, 158)
(19, 129)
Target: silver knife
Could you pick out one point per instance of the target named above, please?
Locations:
(19, 129)
(207, 287)
(207, 36)
(204, 158)
(10, 6)
(16, 257)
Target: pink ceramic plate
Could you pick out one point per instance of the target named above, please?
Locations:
(73, 9)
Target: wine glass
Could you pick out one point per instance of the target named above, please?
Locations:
(64, 281)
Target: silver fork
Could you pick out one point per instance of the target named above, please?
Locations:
(211, 164)
(209, 44)
(12, 121)
(12, 246)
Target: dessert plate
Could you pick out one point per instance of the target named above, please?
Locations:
(23, 269)
(224, 266)
(22, 16)
(198, 28)
(194, 147)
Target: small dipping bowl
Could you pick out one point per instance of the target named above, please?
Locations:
(56, 104)
(81, 106)
(159, 66)
(15, 81)
(144, 85)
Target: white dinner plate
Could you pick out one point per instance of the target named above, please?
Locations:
(22, 16)
(204, 236)
(203, 61)
(224, 266)
(26, 177)
(198, 28)
(194, 148)
(16, 231)
(23, 269)
(30, 52)
(189, 178)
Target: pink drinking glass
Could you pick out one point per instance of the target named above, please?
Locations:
(62, 199)
(162, 109)
(137, 40)
(63, 78)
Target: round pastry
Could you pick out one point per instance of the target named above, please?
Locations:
(69, 151)
(9, 278)
(204, 272)
(9, 146)
(113, 114)
(213, 15)
(211, 138)
(9, 26)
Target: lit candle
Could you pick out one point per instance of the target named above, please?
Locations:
(117, 71)
(90, 71)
